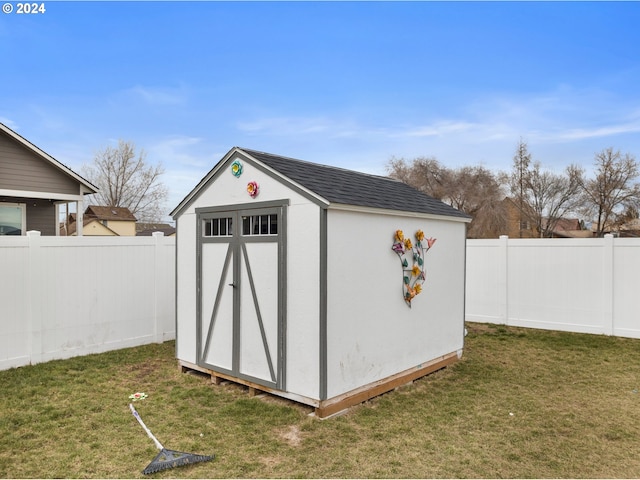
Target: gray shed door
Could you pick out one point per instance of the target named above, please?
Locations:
(241, 289)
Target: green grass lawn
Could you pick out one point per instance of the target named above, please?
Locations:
(520, 403)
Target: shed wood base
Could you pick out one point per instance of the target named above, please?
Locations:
(332, 406)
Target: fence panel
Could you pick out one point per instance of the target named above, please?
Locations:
(68, 296)
(626, 294)
(14, 304)
(579, 285)
(486, 276)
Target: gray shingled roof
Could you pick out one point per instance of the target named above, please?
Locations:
(338, 185)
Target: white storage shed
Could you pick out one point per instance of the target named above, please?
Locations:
(319, 284)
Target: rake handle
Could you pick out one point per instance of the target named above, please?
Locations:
(151, 436)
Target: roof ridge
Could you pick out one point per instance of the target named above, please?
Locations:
(321, 165)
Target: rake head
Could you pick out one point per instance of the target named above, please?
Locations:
(170, 459)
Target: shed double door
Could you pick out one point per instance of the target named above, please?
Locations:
(241, 325)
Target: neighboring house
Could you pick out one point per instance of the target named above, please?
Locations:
(519, 224)
(104, 221)
(630, 229)
(571, 228)
(34, 187)
(146, 229)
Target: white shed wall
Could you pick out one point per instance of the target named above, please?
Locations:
(303, 298)
(225, 189)
(229, 190)
(186, 287)
(303, 271)
(372, 333)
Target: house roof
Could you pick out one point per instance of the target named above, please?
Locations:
(45, 156)
(565, 224)
(71, 228)
(109, 213)
(340, 186)
(95, 213)
(146, 230)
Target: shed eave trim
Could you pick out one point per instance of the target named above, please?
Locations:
(401, 213)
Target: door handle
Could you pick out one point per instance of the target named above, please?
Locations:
(232, 285)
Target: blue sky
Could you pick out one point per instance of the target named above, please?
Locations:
(342, 83)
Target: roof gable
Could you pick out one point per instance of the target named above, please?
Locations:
(335, 186)
(122, 214)
(85, 185)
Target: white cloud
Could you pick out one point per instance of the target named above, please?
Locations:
(186, 160)
(286, 126)
(9, 123)
(597, 132)
(438, 129)
(181, 151)
(160, 95)
(563, 114)
(561, 126)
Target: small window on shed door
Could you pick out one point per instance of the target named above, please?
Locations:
(260, 224)
(218, 227)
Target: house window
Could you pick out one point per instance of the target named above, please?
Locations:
(260, 224)
(12, 218)
(218, 227)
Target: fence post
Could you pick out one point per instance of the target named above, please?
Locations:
(607, 285)
(158, 330)
(34, 298)
(503, 279)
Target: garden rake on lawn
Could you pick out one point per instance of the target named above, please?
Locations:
(167, 458)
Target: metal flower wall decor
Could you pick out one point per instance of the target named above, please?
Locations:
(412, 260)
(253, 189)
(236, 168)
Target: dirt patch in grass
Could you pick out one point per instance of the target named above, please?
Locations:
(291, 435)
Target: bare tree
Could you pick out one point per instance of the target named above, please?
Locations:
(629, 214)
(517, 183)
(126, 180)
(477, 192)
(613, 189)
(473, 190)
(542, 197)
(424, 173)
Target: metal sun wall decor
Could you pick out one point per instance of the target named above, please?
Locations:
(412, 277)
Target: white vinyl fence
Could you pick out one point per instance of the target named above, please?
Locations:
(67, 296)
(578, 285)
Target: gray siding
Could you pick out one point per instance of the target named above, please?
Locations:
(21, 169)
(41, 216)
